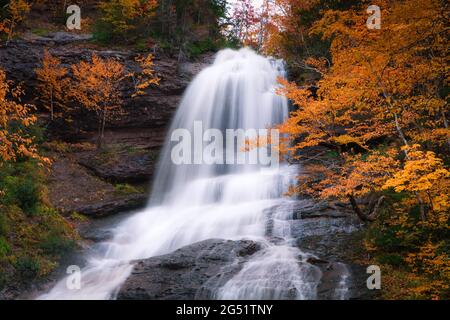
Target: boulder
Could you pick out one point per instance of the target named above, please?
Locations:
(306, 209)
(192, 272)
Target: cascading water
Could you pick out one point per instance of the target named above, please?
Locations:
(190, 203)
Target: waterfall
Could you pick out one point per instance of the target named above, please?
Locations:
(194, 202)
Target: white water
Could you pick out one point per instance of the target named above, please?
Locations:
(191, 203)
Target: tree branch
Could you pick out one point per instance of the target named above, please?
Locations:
(373, 209)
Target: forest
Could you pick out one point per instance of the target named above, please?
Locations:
(83, 114)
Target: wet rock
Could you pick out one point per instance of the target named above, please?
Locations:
(104, 208)
(309, 209)
(99, 230)
(59, 37)
(328, 232)
(131, 168)
(192, 272)
(95, 235)
(335, 281)
(314, 260)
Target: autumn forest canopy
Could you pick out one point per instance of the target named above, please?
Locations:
(369, 119)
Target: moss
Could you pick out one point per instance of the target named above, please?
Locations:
(40, 31)
(75, 216)
(4, 248)
(125, 189)
(131, 150)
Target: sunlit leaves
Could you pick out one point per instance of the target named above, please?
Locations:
(52, 84)
(146, 77)
(15, 117)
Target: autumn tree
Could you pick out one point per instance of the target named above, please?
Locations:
(52, 84)
(245, 20)
(179, 18)
(287, 33)
(146, 76)
(16, 12)
(122, 16)
(96, 87)
(15, 118)
(381, 108)
(381, 84)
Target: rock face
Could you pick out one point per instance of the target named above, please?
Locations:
(73, 189)
(53, 38)
(108, 207)
(132, 141)
(153, 109)
(191, 272)
(328, 232)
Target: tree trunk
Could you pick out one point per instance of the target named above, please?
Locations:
(102, 135)
(400, 132)
(374, 208)
(423, 211)
(402, 136)
(51, 105)
(445, 125)
(10, 33)
(99, 131)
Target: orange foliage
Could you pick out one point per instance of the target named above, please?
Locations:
(380, 106)
(17, 10)
(52, 83)
(146, 77)
(379, 85)
(96, 87)
(14, 118)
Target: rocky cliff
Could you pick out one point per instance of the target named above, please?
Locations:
(97, 180)
(153, 109)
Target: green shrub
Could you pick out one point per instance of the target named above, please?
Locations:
(4, 247)
(199, 47)
(28, 196)
(22, 191)
(3, 280)
(57, 245)
(391, 259)
(20, 183)
(102, 33)
(27, 268)
(3, 225)
(142, 45)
